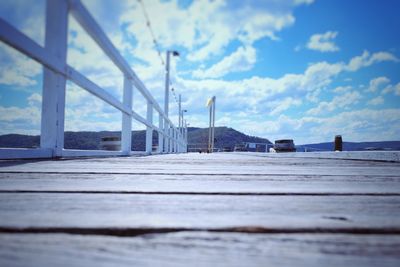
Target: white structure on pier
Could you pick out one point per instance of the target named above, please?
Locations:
(211, 129)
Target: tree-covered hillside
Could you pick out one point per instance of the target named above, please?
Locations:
(197, 137)
(225, 137)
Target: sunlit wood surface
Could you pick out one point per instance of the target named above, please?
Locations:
(222, 209)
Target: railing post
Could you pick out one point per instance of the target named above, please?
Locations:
(213, 125)
(172, 140)
(126, 135)
(160, 134)
(169, 143)
(165, 133)
(180, 112)
(179, 141)
(149, 130)
(166, 102)
(53, 97)
(186, 136)
(167, 136)
(176, 140)
(181, 129)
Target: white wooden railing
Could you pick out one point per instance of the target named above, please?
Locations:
(57, 72)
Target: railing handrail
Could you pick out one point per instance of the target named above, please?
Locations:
(82, 15)
(57, 66)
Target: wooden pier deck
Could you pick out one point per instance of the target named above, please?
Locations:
(222, 209)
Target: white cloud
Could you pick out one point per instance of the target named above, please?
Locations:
(356, 125)
(251, 95)
(279, 106)
(377, 84)
(323, 42)
(28, 18)
(22, 120)
(242, 59)
(298, 2)
(280, 126)
(397, 89)
(206, 27)
(313, 96)
(360, 125)
(85, 112)
(320, 74)
(86, 56)
(14, 77)
(16, 69)
(366, 59)
(342, 89)
(35, 99)
(340, 101)
(391, 89)
(28, 114)
(376, 101)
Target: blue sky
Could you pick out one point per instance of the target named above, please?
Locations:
(300, 69)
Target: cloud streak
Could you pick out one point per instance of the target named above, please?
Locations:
(242, 59)
(323, 42)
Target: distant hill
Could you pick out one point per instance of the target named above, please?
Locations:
(225, 137)
(352, 146)
(74, 140)
(19, 141)
(197, 137)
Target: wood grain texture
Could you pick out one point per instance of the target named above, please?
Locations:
(204, 209)
(141, 210)
(200, 249)
(206, 164)
(251, 184)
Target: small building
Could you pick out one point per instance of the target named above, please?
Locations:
(284, 145)
(112, 143)
(253, 147)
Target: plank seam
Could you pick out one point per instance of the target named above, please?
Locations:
(131, 232)
(195, 193)
(198, 174)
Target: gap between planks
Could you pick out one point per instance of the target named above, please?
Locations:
(131, 232)
(193, 193)
(191, 174)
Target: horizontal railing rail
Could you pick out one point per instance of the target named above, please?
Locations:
(57, 71)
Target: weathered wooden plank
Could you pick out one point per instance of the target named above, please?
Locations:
(359, 155)
(252, 184)
(199, 193)
(200, 249)
(223, 163)
(194, 211)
